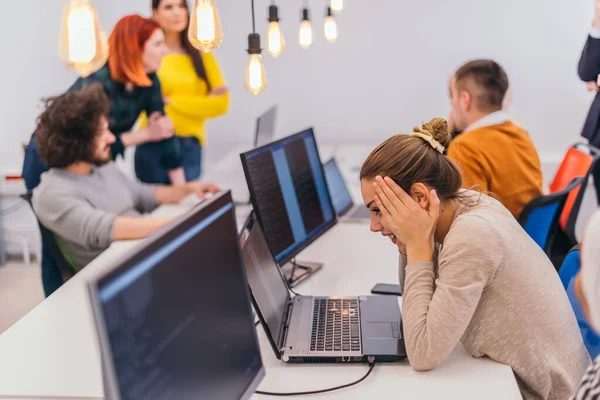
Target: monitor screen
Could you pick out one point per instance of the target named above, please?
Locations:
(177, 316)
(340, 196)
(265, 127)
(289, 193)
(268, 286)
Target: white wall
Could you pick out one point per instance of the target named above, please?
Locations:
(387, 72)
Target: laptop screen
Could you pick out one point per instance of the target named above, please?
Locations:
(340, 196)
(177, 315)
(289, 193)
(265, 127)
(268, 286)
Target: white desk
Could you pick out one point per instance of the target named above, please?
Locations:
(53, 351)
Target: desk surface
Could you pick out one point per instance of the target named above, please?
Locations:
(53, 351)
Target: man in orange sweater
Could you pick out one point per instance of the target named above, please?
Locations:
(495, 155)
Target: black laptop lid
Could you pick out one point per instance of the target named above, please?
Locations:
(268, 287)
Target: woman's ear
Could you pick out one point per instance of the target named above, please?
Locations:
(420, 193)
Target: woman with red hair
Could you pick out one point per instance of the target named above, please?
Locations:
(137, 46)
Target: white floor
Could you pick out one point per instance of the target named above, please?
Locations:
(20, 291)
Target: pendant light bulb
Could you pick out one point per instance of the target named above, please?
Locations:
(331, 32)
(275, 40)
(337, 6)
(305, 36)
(256, 78)
(205, 31)
(82, 44)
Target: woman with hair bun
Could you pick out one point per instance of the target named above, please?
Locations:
(468, 271)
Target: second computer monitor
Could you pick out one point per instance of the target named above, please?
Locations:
(289, 193)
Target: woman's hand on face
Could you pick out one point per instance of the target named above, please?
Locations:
(412, 225)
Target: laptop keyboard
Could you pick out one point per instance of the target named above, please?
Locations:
(336, 325)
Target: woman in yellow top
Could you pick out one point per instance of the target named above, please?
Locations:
(193, 91)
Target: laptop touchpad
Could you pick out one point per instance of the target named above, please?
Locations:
(377, 330)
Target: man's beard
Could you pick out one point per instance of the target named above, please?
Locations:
(100, 161)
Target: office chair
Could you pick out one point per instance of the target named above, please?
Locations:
(581, 160)
(567, 273)
(540, 217)
(66, 267)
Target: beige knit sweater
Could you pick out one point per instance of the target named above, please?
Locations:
(494, 289)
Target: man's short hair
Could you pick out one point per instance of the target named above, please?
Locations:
(487, 82)
(68, 127)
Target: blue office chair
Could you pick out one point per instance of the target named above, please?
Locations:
(567, 272)
(540, 217)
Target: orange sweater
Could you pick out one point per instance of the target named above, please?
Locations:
(500, 159)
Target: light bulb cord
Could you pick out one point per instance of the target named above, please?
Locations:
(253, 22)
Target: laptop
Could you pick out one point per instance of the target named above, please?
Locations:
(174, 317)
(311, 329)
(341, 198)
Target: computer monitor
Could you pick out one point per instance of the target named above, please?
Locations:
(289, 193)
(265, 127)
(174, 317)
(340, 196)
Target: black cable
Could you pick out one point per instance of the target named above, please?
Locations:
(294, 264)
(257, 323)
(253, 24)
(371, 365)
(15, 207)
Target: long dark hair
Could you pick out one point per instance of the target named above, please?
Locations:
(188, 47)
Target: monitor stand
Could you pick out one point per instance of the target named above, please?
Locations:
(296, 272)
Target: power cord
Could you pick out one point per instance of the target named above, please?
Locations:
(11, 209)
(371, 365)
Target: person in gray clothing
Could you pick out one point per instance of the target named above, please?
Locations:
(84, 198)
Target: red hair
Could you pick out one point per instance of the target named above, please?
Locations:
(126, 45)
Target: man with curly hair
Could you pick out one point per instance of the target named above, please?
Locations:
(84, 198)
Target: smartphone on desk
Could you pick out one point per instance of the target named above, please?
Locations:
(386, 288)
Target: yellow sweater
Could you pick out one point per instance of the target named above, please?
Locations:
(189, 104)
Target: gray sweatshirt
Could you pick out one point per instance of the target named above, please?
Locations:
(493, 288)
(81, 209)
